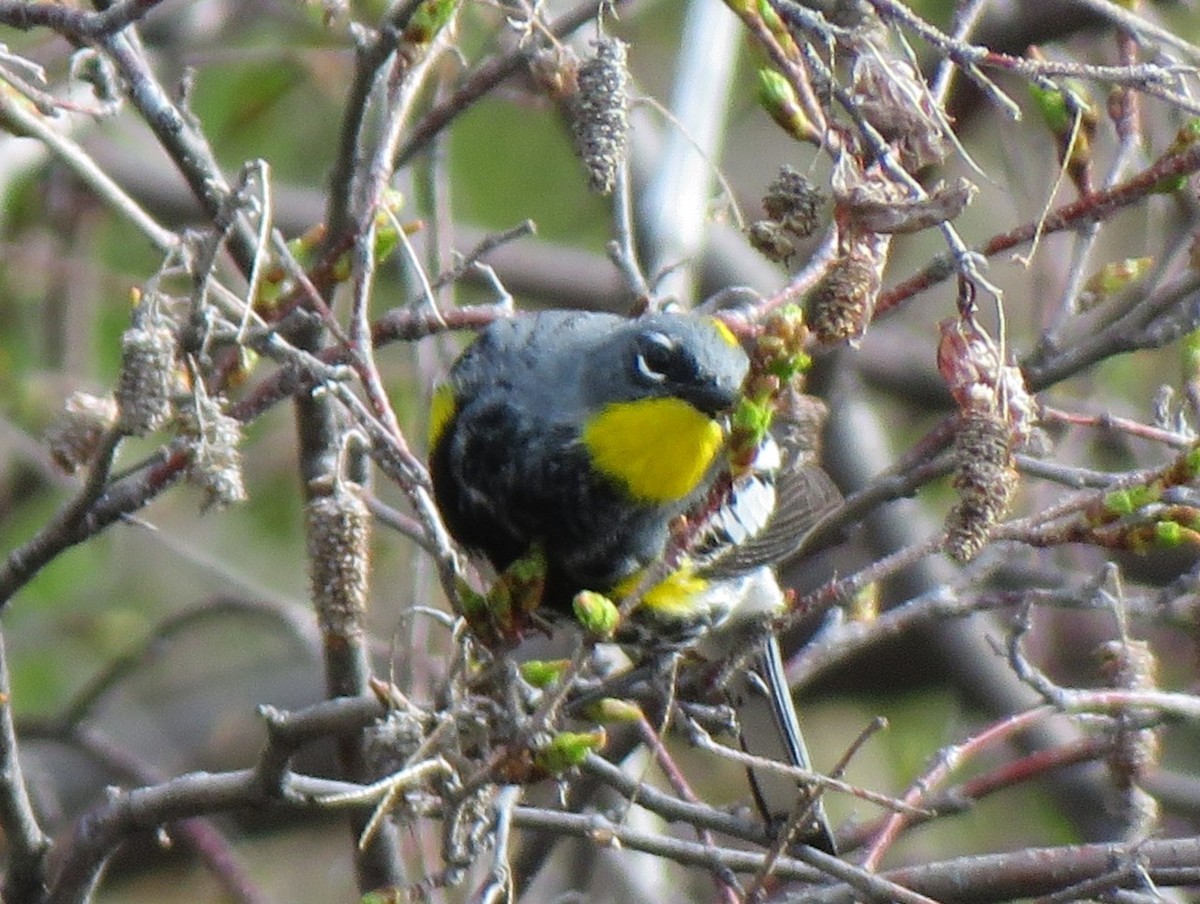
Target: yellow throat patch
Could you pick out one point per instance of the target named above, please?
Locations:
(658, 449)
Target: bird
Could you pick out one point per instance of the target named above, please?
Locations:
(585, 436)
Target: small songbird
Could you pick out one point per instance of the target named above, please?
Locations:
(585, 435)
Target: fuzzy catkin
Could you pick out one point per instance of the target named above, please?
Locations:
(601, 114)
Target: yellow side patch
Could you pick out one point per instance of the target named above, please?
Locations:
(725, 331)
(441, 412)
(658, 449)
(674, 597)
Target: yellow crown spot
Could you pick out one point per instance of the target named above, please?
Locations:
(725, 331)
(441, 412)
(658, 449)
(671, 598)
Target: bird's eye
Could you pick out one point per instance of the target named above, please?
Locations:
(656, 355)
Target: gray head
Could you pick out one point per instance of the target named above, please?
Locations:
(686, 356)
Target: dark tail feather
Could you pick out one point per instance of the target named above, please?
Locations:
(770, 729)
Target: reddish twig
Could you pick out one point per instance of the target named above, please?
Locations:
(1087, 209)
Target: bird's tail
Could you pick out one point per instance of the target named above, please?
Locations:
(770, 729)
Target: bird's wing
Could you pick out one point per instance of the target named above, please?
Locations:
(804, 494)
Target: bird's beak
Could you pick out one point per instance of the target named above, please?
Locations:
(711, 400)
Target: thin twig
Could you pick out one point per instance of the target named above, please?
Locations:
(18, 119)
(805, 776)
(966, 17)
(371, 57)
(74, 23)
(28, 845)
(1137, 76)
(1097, 206)
(1139, 25)
(808, 864)
(622, 250)
(83, 705)
(487, 76)
(180, 138)
(946, 761)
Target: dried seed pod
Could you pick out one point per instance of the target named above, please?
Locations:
(339, 540)
(1140, 812)
(975, 372)
(392, 742)
(793, 202)
(216, 465)
(1132, 665)
(601, 114)
(1129, 664)
(905, 215)
(467, 829)
(74, 436)
(840, 305)
(891, 95)
(147, 374)
(769, 239)
(984, 478)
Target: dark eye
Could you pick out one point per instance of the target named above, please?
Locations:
(657, 357)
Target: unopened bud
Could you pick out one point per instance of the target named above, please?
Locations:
(568, 749)
(597, 613)
(541, 673)
(778, 98)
